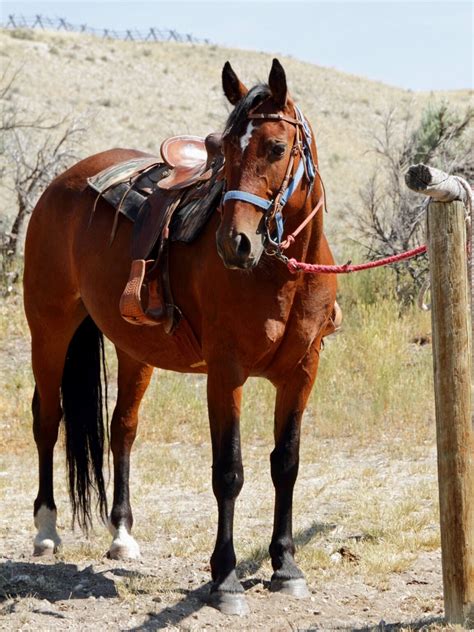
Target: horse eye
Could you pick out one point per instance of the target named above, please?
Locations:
(278, 150)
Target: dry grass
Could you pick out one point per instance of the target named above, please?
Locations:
(366, 499)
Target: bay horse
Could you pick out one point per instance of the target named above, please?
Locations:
(250, 314)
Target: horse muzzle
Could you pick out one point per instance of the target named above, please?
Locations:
(238, 250)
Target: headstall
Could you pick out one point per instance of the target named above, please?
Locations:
(273, 208)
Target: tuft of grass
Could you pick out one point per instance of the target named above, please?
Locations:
(373, 380)
(89, 550)
(135, 584)
(23, 34)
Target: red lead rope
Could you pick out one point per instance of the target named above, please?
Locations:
(316, 268)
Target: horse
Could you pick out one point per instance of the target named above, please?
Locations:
(251, 315)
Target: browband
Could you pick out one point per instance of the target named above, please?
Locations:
(277, 117)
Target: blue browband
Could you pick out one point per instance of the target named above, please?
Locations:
(248, 197)
(306, 165)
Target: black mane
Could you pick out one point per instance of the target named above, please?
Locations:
(237, 122)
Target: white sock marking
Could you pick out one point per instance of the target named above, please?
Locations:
(47, 538)
(123, 544)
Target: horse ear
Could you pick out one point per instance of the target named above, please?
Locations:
(277, 83)
(234, 89)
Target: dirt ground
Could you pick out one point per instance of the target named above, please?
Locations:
(168, 587)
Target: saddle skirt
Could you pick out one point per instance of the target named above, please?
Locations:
(132, 188)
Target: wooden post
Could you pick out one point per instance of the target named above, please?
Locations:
(443, 187)
(452, 380)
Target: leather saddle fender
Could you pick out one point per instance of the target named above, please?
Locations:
(149, 278)
(152, 219)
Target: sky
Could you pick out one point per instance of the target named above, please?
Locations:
(414, 45)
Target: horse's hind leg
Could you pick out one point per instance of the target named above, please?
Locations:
(292, 395)
(50, 340)
(133, 380)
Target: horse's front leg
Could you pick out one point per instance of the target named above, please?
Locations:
(224, 392)
(291, 399)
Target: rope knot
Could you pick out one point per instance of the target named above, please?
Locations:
(293, 266)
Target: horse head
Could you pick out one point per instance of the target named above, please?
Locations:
(269, 167)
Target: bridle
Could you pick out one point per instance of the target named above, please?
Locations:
(272, 209)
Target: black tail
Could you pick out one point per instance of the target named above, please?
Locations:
(83, 405)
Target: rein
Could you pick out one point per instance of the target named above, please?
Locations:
(272, 209)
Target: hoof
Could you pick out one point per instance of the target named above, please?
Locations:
(293, 587)
(45, 547)
(229, 603)
(124, 551)
(124, 546)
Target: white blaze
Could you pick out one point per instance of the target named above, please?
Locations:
(245, 139)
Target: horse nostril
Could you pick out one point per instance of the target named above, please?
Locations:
(242, 246)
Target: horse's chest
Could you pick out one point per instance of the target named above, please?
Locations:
(259, 333)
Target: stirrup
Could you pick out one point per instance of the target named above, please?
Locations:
(130, 304)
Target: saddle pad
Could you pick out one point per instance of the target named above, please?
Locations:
(121, 172)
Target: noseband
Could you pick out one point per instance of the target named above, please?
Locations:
(272, 209)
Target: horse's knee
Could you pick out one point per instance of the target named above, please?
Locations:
(284, 463)
(227, 480)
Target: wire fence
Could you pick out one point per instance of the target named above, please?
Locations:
(153, 34)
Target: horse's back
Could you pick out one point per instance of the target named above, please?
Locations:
(50, 272)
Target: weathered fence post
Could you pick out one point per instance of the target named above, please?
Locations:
(450, 302)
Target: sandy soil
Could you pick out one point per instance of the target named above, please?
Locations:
(168, 587)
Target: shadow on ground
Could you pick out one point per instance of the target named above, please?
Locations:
(60, 581)
(54, 582)
(194, 600)
(419, 624)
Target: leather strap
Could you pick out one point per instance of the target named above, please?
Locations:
(245, 196)
(276, 117)
(273, 208)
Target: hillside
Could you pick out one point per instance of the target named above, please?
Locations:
(135, 94)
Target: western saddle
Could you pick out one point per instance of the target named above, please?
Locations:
(192, 182)
(167, 200)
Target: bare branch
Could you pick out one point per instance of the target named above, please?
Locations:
(390, 218)
(33, 159)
